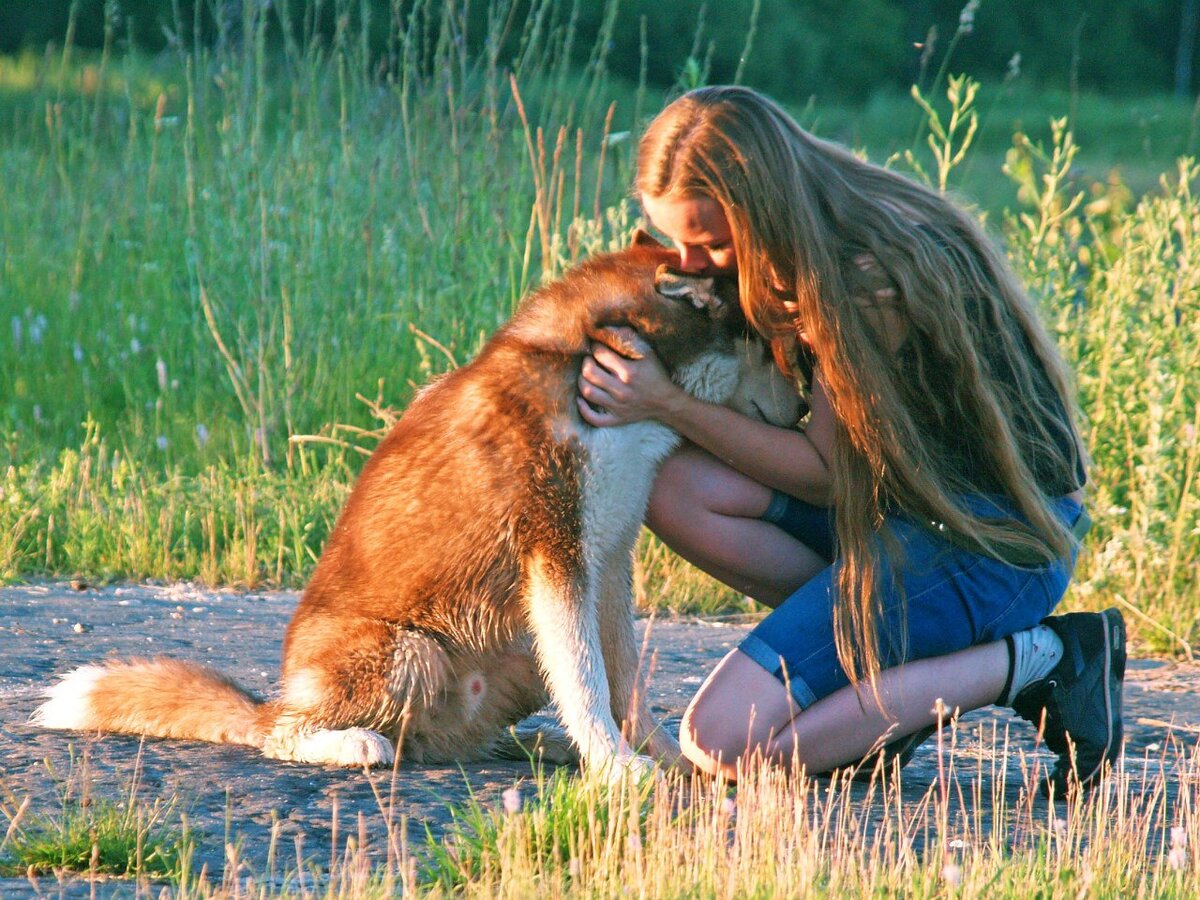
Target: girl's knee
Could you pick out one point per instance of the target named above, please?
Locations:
(735, 717)
(706, 745)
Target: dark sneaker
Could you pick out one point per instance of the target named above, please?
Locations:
(1077, 707)
(901, 750)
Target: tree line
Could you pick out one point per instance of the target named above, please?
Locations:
(837, 49)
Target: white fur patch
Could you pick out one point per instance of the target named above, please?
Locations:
(345, 747)
(68, 705)
(762, 390)
(618, 473)
(568, 644)
(304, 689)
(710, 376)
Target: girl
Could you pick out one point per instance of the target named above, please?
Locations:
(912, 535)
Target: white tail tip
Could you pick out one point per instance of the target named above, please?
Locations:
(69, 701)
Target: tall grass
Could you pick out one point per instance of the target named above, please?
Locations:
(975, 828)
(208, 259)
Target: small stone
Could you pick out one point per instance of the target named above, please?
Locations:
(78, 584)
(80, 628)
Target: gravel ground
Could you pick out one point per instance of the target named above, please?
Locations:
(230, 793)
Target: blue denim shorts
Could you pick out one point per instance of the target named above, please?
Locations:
(953, 598)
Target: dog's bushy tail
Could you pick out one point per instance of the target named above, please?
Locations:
(154, 697)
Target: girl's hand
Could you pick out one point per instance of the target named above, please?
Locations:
(616, 388)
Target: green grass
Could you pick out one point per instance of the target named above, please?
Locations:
(222, 272)
(89, 832)
(967, 831)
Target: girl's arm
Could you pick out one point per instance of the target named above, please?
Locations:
(616, 390)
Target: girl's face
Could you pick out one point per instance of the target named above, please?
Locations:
(699, 230)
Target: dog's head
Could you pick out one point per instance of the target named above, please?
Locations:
(695, 324)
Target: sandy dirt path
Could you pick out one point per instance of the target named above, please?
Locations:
(47, 629)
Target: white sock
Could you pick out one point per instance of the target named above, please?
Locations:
(1032, 655)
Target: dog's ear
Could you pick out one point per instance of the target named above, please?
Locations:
(643, 238)
(620, 339)
(699, 290)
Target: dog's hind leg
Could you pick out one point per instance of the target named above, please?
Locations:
(350, 687)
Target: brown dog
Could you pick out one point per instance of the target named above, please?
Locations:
(484, 555)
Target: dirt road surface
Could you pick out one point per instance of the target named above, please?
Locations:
(232, 794)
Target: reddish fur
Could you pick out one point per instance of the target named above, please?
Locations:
(420, 583)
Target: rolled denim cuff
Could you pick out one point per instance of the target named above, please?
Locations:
(761, 652)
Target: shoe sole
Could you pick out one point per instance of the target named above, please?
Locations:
(1114, 676)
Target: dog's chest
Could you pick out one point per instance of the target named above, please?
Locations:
(617, 472)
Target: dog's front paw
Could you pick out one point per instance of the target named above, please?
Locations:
(620, 767)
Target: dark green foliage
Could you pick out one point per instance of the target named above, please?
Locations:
(840, 49)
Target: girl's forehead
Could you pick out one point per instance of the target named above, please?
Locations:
(688, 219)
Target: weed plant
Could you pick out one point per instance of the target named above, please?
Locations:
(223, 269)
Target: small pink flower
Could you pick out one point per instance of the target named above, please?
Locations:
(1177, 859)
(1179, 837)
(511, 801)
(952, 874)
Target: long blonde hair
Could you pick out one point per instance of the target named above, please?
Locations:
(976, 355)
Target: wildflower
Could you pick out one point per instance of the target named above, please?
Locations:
(635, 843)
(1177, 858)
(162, 443)
(201, 434)
(511, 801)
(1179, 837)
(573, 867)
(728, 808)
(1060, 828)
(952, 874)
(160, 369)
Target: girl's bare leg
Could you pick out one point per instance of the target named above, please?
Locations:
(709, 514)
(742, 711)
